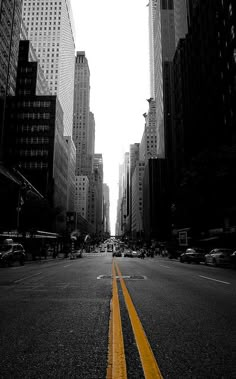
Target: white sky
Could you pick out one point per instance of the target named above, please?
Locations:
(114, 36)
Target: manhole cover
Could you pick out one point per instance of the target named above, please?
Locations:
(137, 277)
(104, 277)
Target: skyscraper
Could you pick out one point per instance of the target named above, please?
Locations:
(82, 117)
(181, 24)
(10, 22)
(167, 24)
(106, 209)
(50, 28)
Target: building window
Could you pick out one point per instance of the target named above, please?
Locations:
(163, 4)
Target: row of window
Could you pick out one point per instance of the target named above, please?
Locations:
(33, 165)
(33, 116)
(33, 153)
(32, 128)
(36, 140)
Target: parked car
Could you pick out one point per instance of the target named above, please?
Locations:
(218, 257)
(135, 254)
(193, 254)
(11, 252)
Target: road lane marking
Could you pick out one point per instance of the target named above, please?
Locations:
(118, 351)
(149, 364)
(110, 334)
(67, 265)
(164, 266)
(215, 280)
(26, 277)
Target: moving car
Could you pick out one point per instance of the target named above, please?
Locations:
(218, 257)
(128, 253)
(11, 252)
(193, 254)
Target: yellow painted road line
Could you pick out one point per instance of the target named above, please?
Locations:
(109, 360)
(148, 360)
(118, 370)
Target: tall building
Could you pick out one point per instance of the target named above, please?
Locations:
(164, 48)
(91, 134)
(148, 145)
(133, 158)
(106, 209)
(83, 121)
(123, 203)
(205, 115)
(137, 200)
(181, 22)
(81, 198)
(50, 28)
(98, 178)
(34, 138)
(167, 24)
(10, 24)
(152, 12)
(70, 174)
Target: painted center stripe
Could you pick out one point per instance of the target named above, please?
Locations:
(149, 364)
(215, 280)
(118, 352)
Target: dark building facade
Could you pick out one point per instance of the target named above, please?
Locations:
(205, 117)
(34, 141)
(10, 24)
(156, 215)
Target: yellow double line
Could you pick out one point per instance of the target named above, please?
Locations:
(116, 357)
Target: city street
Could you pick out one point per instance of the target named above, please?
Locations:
(55, 318)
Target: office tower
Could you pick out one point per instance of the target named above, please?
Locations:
(181, 23)
(123, 207)
(167, 25)
(81, 197)
(83, 120)
(10, 23)
(98, 203)
(148, 145)
(152, 12)
(70, 174)
(137, 200)
(119, 215)
(50, 28)
(91, 134)
(134, 157)
(34, 139)
(156, 211)
(164, 50)
(106, 209)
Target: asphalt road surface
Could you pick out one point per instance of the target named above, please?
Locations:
(65, 319)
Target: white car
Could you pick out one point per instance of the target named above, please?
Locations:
(218, 257)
